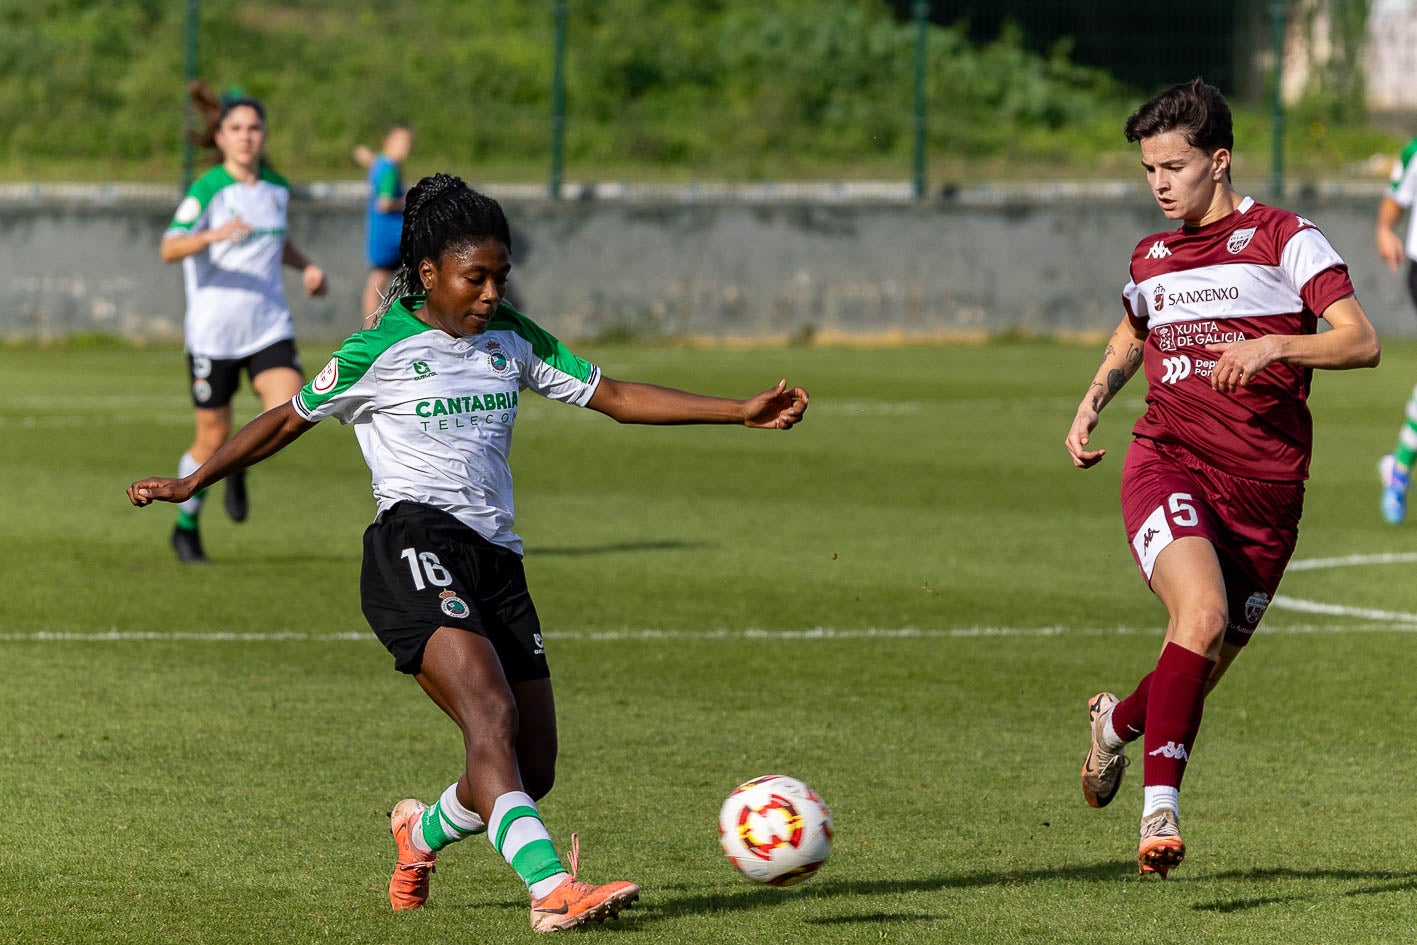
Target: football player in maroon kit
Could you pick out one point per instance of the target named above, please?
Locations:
(1222, 315)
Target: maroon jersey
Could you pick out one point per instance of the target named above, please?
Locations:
(1259, 271)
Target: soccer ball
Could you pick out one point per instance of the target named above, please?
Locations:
(775, 830)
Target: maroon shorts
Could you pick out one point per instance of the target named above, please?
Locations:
(1168, 493)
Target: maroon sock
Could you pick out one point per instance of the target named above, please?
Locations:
(1129, 717)
(1173, 714)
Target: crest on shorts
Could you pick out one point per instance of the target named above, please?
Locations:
(453, 605)
(1255, 607)
(1240, 239)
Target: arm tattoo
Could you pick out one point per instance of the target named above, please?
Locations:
(1116, 379)
(1097, 396)
(1133, 356)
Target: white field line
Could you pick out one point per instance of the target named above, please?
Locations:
(1380, 621)
(1407, 624)
(1353, 561)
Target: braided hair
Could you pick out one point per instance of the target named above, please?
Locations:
(440, 213)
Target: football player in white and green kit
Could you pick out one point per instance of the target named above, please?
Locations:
(433, 391)
(1395, 469)
(230, 234)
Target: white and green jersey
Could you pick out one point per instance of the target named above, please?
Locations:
(235, 302)
(1403, 189)
(434, 413)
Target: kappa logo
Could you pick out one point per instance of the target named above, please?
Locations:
(1146, 539)
(1300, 223)
(1240, 239)
(1173, 750)
(1177, 369)
(1158, 250)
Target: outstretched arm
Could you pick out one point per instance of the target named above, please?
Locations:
(778, 408)
(1119, 362)
(264, 436)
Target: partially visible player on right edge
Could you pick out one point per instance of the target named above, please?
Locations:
(1395, 469)
(1222, 315)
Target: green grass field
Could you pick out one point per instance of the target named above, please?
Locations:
(904, 602)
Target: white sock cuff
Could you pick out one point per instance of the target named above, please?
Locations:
(187, 465)
(1157, 796)
(466, 821)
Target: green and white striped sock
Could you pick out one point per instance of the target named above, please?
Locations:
(445, 822)
(188, 511)
(1406, 450)
(516, 832)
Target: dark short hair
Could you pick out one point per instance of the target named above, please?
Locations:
(1194, 108)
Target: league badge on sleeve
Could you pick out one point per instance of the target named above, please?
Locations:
(325, 381)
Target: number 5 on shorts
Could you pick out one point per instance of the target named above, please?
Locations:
(437, 575)
(1183, 513)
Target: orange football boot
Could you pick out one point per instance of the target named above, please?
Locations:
(574, 903)
(408, 887)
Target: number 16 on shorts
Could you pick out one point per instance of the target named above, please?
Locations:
(1179, 510)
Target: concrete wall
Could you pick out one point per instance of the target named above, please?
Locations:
(770, 269)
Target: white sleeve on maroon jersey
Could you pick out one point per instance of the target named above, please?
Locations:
(1307, 255)
(1133, 301)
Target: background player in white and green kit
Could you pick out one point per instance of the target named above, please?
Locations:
(1395, 469)
(433, 391)
(229, 232)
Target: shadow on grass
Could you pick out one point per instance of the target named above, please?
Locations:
(664, 902)
(1379, 882)
(622, 547)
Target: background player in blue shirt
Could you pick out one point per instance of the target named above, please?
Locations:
(383, 213)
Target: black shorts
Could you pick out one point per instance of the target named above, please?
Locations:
(216, 380)
(424, 569)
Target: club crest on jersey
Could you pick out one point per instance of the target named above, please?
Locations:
(1158, 298)
(1255, 607)
(453, 605)
(1240, 239)
(496, 357)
